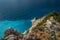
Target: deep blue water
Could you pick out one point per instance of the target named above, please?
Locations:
(18, 13)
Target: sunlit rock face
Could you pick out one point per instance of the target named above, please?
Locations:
(52, 24)
(35, 22)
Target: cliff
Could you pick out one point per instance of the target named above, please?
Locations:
(46, 28)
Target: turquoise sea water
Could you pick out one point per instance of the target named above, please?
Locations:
(20, 26)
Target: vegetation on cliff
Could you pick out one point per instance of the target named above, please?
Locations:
(56, 16)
